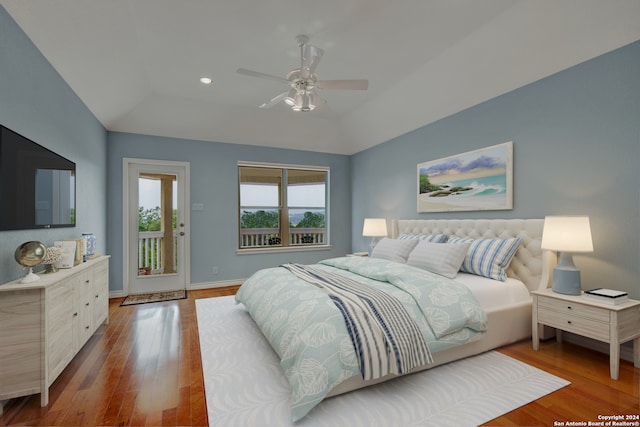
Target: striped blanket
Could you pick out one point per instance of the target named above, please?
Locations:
(385, 337)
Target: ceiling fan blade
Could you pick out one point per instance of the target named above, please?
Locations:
(343, 84)
(273, 101)
(311, 57)
(251, 73)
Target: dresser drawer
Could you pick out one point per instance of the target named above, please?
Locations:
(571, 323)
(574, 309)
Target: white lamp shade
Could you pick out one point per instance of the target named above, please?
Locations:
(567, 234)
(374, 227)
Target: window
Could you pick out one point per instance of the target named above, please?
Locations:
(282, 206)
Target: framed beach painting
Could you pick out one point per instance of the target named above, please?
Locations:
(476, 180)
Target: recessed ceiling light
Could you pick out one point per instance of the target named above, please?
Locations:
(206, 80)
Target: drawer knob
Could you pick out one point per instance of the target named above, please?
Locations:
(569, 321)
(87, 304)
(569, 307)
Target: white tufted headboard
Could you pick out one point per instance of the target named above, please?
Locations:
(531, 264)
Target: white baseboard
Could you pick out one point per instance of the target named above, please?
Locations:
(218, 284)
(192, 286)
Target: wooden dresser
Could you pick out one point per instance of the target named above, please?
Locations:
(45, 323)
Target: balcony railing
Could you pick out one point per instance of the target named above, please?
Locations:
(150, 244)
(261, 237)
(150, 252)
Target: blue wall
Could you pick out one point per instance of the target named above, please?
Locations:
(576, 139)
(214, 183)
(37, 103)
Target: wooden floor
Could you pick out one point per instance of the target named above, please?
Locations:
(144, 368)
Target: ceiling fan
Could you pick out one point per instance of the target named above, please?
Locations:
(303, 81)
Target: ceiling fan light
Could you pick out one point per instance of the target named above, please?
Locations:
(297, 103)
(311, 101)
(291, 97)
(314, 99)
(303, 103)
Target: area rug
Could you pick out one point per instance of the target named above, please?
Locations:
(154, 297)
(245, 387)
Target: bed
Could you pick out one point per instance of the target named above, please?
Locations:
(506, 315)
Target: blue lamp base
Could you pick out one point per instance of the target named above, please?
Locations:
(566, 282)
(372, 245)
(566, 277)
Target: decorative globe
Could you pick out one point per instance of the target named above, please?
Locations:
(30, 254)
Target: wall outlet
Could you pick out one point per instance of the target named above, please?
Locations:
(214, 270)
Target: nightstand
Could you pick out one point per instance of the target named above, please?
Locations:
(614, 324)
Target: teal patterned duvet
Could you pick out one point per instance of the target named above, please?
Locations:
(308, 331)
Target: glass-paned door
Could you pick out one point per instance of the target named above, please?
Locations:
(157, 228)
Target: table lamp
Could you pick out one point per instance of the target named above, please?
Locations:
(374, 228)
(567, 235)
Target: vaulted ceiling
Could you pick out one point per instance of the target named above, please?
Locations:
(136, 64)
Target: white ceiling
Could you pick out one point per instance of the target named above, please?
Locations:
(136, 63)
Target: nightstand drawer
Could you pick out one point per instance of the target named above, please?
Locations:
(573, 323)
(574, 309)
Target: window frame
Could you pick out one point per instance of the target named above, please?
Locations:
(283, 209)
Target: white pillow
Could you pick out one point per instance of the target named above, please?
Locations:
(393, 249)
(488, 257)
(444, 259)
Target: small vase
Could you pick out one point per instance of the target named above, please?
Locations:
(89, 244)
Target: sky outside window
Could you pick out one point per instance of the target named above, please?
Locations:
(149, 193)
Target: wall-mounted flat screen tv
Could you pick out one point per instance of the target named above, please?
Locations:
(37, 186)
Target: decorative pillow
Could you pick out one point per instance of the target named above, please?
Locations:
(435, 238)
(488, 257)
(444, 259)
(394, 249)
